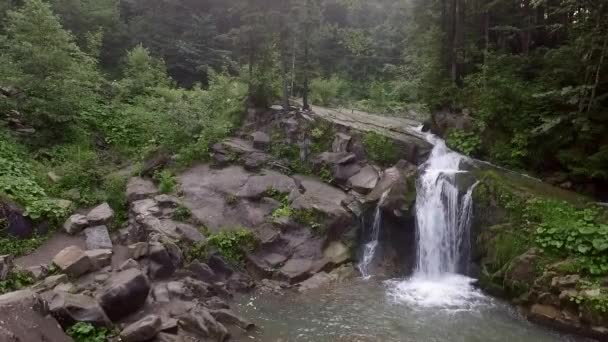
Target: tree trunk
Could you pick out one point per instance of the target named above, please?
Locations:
(458, 45)
(305, 104)
(598, 73)
(283, 46)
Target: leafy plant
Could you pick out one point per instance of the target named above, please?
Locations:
(16, 281)
(380, 149)
(87, 332)
(468, 143)
(166, 181)
(182, 213)
(310, 218)
(233, 244)
(198, 251)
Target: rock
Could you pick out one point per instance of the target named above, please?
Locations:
(332, 158)
(240, 282)
(15, 223)
(71, 308)
(523, 268)
(75, 224)
(65, 287)
(138, 250)
(261, 140)
(202, 272)
(6, 266)
(53, 177)
(50, 282)
(165, 259)
(228, 317)
(145, 207)
(364, 181)
(124, 293)
(337, 253)
(143, 330)
(100, 215)
(318, 280)
(543, 313)
(276, 108)
(296, 270)
(216, 303)
(156, 161)
(200, 321)
(73, 261)
(100, 257)
(97, 237)
(167, 201)
(38, 272)
(341, 142)
(444, 120)
(565, 282)
(343, 172)
(219, 266)
(256, 187)
(255, 161)
(128, 264)
(21, 311)
(139, 188)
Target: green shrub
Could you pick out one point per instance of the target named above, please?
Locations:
(380, 149)
(310, 218)
(166, 181)
(233, 244)
(326, 91)
(182, 213)
(198, 251)
(15, 281)
(86, 332)
(463, 142)
(18, 247)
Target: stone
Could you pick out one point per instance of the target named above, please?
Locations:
(50, 282)
(23, 310)
(277, 108)
(145, 207)
(296, 270)
(228, 317)
(53, 177)
(523, 267)
(200, 321)
(337, 253)
(318, 280)
(343, 172)
(75, 224)
(138, 250)
(364, 181)
(257, 186)
(100, 257)
(220, 267)
(73, 261)
(38, 272)
(125, 293)
(165, 259)
(341, 142)
(15, 222)
(97, 237)
(128, 264)
(6, 266)
(255, 161)
(261, 140)
(71, 308)
(139, 188)
(100, 215)
(167, 201)
(332, 158)
(216, 303)
(202, 272)
(143, 330)
(565, 282)
(543, 313)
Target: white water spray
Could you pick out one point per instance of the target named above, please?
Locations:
(443, 216)
(370, 247)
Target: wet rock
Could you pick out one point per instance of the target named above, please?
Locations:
(100, 215)
(73, 261)
(261, 140)
(341, 142)
(200, 321)
(142, 330)
(364, 181)
(216, 303)
(202, 272)
(540, 312)
(523, 267)
(139, 188)
(165, 259)
(565, 282)
(15, 222)
(97, 237)
(240, 282)
(337, 253)
(6, 266)
(138, 250)
(75, 224)
(23, 310)
(226, 316)
(124, 293)
(296, 270)
(100, 257)
(71, 308)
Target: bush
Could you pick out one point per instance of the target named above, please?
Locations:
(86, 332)
(380, 149)
(463, 142)
(166, 181)
(326, 91)
(15, 281)
(233, 244)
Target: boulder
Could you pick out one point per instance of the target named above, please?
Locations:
(13, 220)
(139, 188)
(167, 201)
(6, 266)
(97, 237)
(20, 312)
(125, 293)
(100, 257)
(75, 224)
(364, 181)
(257, 186)
(337, 253)
(165, 259)
(296, 270)
(341, 173)
(50, 282)
(202, 272)
(138, 250)
(565, 282)
(200, 322)
(261, 140)
(128, 264)
(100, 215)
(523, 268)
(145, 207)
(71, 308)
(255, 161)
(143, 330)
(318, 280)
(226, 316)
(73, 261)
(38, 272)
(341, 142)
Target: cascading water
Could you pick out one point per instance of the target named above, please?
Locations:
(370, 248)
(442, 230)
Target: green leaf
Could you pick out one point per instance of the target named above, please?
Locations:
(583, 249)
(600, 244)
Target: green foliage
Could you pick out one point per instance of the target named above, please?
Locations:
(198, 251)
(182, 213)
(233, 244)
(17, 247)
(115, 187)
(15, 281)
(326, 91)
(577, 232)
(461, 141)
(143, 73)
(41, 59)
(86, 332)
(380, 149)
(310, 218)
(166, 181)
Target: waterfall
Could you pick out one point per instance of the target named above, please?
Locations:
(370, 248)
(443, 219)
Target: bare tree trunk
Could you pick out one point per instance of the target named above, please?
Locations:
(598, 72)
(458, 44)
(283, 37)
(305, 104)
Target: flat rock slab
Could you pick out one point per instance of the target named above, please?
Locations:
(97, 238)
(101, 214)
(139, 188)
(257, 186)
(320, 196)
